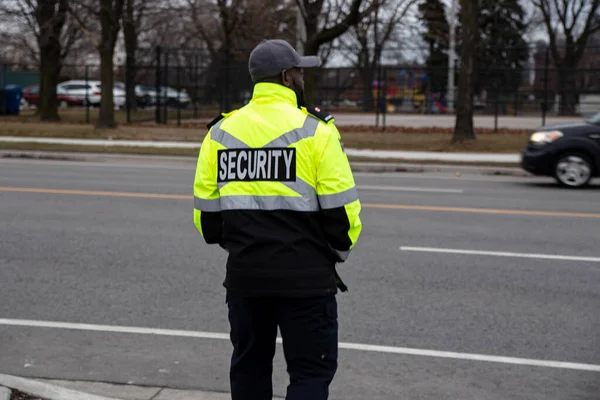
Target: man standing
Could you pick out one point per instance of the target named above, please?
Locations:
(274, 188)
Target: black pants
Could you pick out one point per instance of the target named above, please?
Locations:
(309, 329)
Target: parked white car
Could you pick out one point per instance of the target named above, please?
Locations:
(119, 97)
(145, 96)
(78, 88)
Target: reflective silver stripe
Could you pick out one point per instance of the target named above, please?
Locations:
(338, 199)
(213, 205)
(307, 130)
(229, 141)
(308, 201)
(299, 186)
(305, 190)
(226, 139)
(268, 203)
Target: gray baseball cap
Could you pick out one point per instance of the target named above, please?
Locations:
(271, 57)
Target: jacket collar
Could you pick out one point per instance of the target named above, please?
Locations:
(266, 92)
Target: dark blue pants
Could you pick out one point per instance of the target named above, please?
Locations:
(309, 329)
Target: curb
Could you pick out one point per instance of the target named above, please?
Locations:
(52, 389)
(5, 393)
(46, 390)
(357, 165)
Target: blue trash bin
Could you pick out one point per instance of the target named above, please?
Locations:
(12, 99)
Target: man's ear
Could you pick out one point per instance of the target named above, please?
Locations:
(286, 79)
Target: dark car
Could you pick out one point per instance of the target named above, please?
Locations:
(570, 153)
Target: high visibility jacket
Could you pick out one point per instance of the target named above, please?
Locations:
(274, 188)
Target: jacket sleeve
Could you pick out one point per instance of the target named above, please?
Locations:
(207, 206)
(338, 197)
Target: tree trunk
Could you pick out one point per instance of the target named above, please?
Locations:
(130, 36)
(106, 116)
(51, 21)
(568, 92)
(310, 74)
(463, 129)
(367, 75)
(110, 20)
(50, 65)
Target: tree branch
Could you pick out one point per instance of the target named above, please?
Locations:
(83, 27)
(545, 9)
(30, 17)
(328, 34)
(577, 13)
(90, 10)
(581, 42)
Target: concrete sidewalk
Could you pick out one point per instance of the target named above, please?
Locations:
(434, 120)
(492, 158)
(48, 389)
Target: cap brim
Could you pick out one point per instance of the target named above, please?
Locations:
(309, 62)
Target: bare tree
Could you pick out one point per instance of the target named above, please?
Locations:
(375, 33)
(20, 32)
(469, 14)
(571, 22)
(239, 25)
(48, 34)
(108, 17)
(326, 20)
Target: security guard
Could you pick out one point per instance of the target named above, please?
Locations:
(274, 188)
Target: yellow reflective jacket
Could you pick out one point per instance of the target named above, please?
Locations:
(274, 187)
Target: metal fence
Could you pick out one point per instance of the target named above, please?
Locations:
(179, 86)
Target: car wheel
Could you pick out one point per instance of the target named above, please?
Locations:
(63, 104)
(573, 170)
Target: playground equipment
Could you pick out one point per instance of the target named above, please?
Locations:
(406, 94)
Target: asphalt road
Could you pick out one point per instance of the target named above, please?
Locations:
(71, 254)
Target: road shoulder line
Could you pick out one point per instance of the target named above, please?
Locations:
(342, 345)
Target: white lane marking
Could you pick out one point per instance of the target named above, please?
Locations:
(113, 328)
(342, 345)
(500, 254)
(407, 189)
